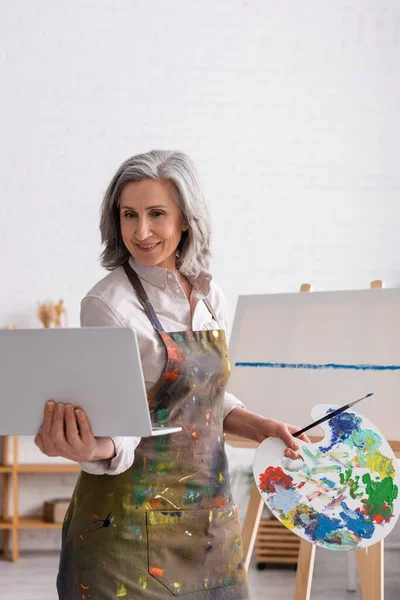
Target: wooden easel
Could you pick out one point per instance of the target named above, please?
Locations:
(370, 560)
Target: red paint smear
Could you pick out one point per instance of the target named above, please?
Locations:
(174, 353)
(156, 571)
(156, 503)
(301, 485)
(378, 519)
(219, 502)
(274, 476)
(172, 375)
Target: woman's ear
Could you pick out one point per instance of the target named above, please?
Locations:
(185, 227)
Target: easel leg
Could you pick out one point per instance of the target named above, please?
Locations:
(305, 569)
(370, 571)
(251, 523)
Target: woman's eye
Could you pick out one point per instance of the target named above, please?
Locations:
(157, 213)
(129, 215)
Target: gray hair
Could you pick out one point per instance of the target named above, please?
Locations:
(176, 167)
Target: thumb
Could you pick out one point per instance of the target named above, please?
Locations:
(288, 438)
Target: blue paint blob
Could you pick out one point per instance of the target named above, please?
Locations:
(342, 427)
(317, 526)
(357, 522)
(328, 482)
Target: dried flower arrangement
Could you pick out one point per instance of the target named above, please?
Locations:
(50, 314)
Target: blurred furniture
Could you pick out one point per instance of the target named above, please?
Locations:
(10, 469)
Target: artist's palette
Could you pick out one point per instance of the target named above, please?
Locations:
(344, 494)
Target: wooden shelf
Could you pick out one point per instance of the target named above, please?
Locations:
(276, 544)
(12, 470)
(36, 523)
(48, 468)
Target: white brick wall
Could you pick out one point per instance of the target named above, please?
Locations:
(290, 110)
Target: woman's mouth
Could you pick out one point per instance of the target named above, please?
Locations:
(147, 247)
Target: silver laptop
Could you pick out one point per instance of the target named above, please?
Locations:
(96, 368)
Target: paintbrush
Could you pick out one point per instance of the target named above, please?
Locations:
(331, 414)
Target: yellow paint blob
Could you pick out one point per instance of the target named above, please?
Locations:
(121, 592)
(381, 464)
(289, 524)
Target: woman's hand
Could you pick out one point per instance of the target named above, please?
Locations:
(66, 432)
(252, 426)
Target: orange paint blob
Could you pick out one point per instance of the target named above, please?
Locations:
(156, 503)
(156, 572)
(172, 375)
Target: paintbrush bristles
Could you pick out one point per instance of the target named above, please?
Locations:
(359, 400)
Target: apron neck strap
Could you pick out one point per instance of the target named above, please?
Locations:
(145, 300)
(143, 297)
(211, 310)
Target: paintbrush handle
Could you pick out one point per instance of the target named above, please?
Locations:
(322, 419)
(332, 414)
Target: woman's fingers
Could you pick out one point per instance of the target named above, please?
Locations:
(292, 443)
(285, 433)
(39, 441)
(66, 432)
(291, 454)
(71, 427)
(58, 427)
(46, 427)
(84, 428)
(48, 413)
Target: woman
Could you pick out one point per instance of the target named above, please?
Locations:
(160, 521)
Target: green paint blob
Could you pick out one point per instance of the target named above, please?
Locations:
(162, 416)
(178, 337)
(381, 495)
(164, 466)
(353, 484)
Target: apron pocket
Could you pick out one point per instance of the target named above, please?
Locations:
(194, 550)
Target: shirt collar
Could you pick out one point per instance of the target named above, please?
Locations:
(158, 276)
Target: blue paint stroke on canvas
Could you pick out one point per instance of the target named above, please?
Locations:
(271, 365)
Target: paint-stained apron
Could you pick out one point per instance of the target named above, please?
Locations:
(167, 526)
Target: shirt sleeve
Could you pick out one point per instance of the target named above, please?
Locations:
(97, 313)
(231, 402)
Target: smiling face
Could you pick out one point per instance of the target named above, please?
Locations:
(151, 222)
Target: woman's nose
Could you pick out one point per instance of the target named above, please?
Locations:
(143, 230)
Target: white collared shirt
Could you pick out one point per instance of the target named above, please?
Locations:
(113, 302)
